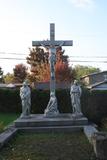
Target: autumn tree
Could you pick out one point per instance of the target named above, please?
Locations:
(9, 78)
(38, 60)
(81, 70)
(20, 73)
(63, 71)
(40, 69)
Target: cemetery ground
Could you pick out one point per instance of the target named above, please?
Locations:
(48, 146)
(45, 146)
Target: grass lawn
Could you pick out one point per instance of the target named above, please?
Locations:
(7, 118)
(53, 146)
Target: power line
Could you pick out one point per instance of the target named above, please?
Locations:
(88, 56)
(13, 58)
(13, 53)
(69, 56)
(81, 61)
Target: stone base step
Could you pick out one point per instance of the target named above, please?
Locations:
(39, 120)
(7, 135)
(56, 129)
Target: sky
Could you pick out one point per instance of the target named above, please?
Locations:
(83, 21)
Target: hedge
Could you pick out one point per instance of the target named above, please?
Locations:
(10, 101)
(94, 104)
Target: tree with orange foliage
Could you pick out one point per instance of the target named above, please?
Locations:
(63, 72)
(40, 68)
(20, 73)
(38, 60)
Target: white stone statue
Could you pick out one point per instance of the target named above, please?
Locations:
(25, 94)
(52, 61)
(51, 109)
(75, 93)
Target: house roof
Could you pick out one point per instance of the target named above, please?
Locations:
(95, 73)
(2, 85)
(97, 84)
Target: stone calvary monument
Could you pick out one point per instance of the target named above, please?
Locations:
(52, 45)
(52, 120)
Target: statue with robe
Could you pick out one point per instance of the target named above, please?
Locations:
(25, 95)
(75, 93)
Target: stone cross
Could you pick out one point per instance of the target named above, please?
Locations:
(52, 45)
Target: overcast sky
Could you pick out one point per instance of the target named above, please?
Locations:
(83, 21)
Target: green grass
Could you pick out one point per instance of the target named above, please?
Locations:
(53, 146)
(6, 119)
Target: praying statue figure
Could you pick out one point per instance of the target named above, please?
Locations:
(75, 93)
(25, 94)
(51, 109)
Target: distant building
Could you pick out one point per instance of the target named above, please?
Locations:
(93, 78)
(10, 85)
(96, 81)
(46, 85)
(2, 85)
(99, 86)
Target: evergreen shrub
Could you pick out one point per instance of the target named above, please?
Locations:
(93, 104)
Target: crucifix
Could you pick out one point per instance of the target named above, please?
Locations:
(52, 45)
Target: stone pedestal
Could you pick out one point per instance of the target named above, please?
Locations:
(61, 123)
(77, 115)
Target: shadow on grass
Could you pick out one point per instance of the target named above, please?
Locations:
(53, 146)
